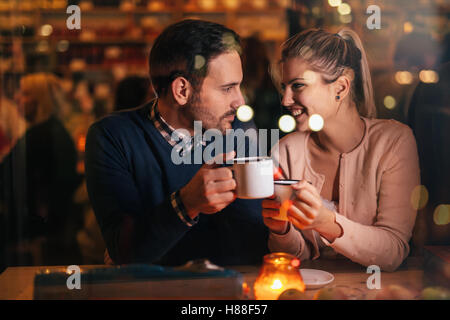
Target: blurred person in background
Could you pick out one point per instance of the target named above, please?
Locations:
(12, 124)
(414, 52)
(38, 179)
(429, 117)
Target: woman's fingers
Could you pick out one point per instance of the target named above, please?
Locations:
(297, 214)
(307, 210)
(297, 223)
(307, 196)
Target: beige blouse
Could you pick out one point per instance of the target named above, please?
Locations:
(376, 182)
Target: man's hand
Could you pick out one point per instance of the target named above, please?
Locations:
(271, 208)
(210, 190)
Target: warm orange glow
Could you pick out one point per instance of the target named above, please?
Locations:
(279, 273)
(81, 143)
(284, 208)
(277, 173)
(295, 263)
(277, 284)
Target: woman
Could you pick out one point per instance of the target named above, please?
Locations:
(40, 171)
(364, 167)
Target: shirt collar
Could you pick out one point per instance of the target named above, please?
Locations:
(169, 133)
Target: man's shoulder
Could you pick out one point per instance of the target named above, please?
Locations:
(121, 121)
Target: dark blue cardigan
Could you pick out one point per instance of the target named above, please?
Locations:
(130, 177)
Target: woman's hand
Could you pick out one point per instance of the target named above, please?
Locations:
(307, 210)
(271, 208)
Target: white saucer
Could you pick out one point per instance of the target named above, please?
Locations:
(315, 279)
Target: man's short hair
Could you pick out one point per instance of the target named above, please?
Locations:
(185, 49)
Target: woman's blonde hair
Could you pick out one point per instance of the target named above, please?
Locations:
(332, 55)
(45, 89)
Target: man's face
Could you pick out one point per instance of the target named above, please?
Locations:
(220, 94)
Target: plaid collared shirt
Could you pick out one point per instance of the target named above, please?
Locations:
(172, 136)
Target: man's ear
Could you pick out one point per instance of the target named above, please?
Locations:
(181, 90)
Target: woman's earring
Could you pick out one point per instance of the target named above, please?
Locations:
(338, 97)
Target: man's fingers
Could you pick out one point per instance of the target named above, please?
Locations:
(220, 159)
(223, 186)
(219, 174)
(272, 204)
(270, 213)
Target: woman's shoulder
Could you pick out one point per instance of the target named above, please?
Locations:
(387, 130)
(389, 135)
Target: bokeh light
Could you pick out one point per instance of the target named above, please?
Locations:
(408, 27)
(199, 62)
(286, 123)
(46, 30)
(345, 18)
(344, 8)
(419, 197)
(441, 215)
(244, 113)
(334, 3)
(231, 4)
(389, 102)
(315, 122)
(207, 4)
(403, 77)
(62, 46)
(428, 76)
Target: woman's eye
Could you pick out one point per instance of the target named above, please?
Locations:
(297, 85)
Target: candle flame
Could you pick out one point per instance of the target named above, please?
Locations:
(276, 285)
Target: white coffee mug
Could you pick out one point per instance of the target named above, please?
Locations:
(254, 177)
(283, 192)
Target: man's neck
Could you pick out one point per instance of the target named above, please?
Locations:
(172, 115)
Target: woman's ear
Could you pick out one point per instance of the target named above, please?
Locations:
(181, 90)
(342, 87)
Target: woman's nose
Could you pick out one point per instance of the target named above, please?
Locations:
(287, 100)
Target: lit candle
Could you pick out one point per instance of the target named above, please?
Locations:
(279, 273)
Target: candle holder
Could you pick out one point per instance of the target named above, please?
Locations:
(279, 273)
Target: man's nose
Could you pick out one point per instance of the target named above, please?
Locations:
(239, 101)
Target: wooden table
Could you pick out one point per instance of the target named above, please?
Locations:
(17, 282)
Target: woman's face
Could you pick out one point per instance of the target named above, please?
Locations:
(305, 93)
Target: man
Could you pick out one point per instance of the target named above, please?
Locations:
(149, 208)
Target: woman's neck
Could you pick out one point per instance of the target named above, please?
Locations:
(340, 135)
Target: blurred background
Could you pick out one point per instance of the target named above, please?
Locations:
(55, 82)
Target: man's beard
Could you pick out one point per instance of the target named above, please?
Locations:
(196, 111)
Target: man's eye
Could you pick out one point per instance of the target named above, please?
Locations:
(228, 89)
